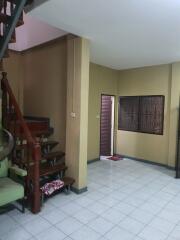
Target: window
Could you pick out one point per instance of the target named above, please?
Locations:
(141, 114)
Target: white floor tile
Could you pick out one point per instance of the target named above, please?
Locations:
(95, 195)
(118, 234)
(114, 216)
(69, 225)
(16, 234)
(101, 225)
(59, 200)
(142, 216)
(109, 201)
(51, 233)
(71, 208)
(134, 201)
(171, 216)
(24, 218)
(84, 201)
(162, 225)
(85, 233)
(55, 216)
(36, 226)
(131, 225)
(176, 232)
(151, 207)
(97, 207)
(124, 208)
(150, 233)
(47, 208)
(171, 238)
(7, 224)
(119, 195)
(105, 190)
(85, 216)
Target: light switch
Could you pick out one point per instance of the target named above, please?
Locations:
(73, 114)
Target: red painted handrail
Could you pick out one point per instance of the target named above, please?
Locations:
(7, 88)
(31, 142)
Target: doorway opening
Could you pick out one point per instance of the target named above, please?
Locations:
(107, 126)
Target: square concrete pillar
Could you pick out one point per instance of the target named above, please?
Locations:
(77, 111)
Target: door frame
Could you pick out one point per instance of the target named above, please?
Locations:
(177, 166)
(114, 96)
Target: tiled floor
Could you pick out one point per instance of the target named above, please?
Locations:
(127, 200)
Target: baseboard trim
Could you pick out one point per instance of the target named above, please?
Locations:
(79, 191)
(147, 161)
(93, 160)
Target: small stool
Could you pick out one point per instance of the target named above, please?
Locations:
(68, 182)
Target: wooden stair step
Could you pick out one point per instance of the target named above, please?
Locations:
(21, 146)
(42, 133)
(47, 169)
(4, 18)
(37, 133)
(54, 155)
(50, 170)
(50, 143)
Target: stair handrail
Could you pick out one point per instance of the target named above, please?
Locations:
(7, 88)
(36, 149)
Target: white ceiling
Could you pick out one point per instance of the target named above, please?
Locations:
(33, 33)
(123, 33)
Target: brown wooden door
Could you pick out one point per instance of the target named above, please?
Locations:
(106, 121)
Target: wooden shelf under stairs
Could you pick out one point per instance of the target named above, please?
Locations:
(48, 170)
(54, 156)
(52, 162)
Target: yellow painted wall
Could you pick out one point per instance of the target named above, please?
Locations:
(42, 73)
(102, 80)
(14, 67)
(146, 81)
(45, 86)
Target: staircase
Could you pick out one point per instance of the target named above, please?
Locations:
(33, 149)
(11, 16)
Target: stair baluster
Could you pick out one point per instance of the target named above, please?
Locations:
(33, 146)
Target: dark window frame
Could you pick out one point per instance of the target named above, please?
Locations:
(140, 98)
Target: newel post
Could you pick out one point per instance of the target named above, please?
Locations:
(36, 193)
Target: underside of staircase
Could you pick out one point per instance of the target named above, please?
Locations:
(35, 149)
